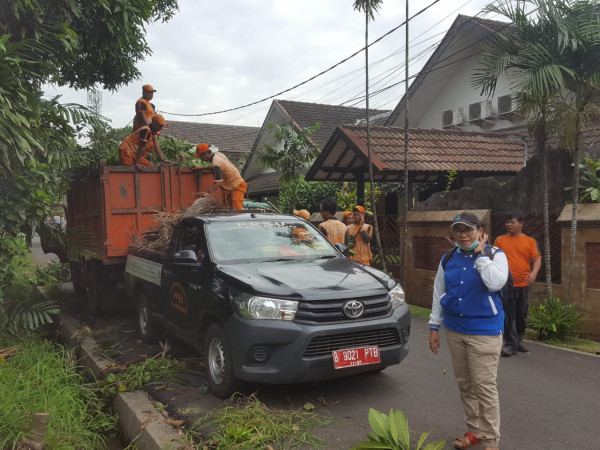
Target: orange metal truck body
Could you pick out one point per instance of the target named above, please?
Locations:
(118, 203)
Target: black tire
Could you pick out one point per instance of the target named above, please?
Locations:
(219, 365)
(93, 291)
(147, 328)
(77, 277)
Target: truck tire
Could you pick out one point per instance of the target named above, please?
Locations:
(219, 365)
(147, 328)
(77, 277)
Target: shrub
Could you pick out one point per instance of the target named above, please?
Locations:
(554, 320)
(391, 432)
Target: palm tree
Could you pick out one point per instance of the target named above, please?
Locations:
(297, 152)
(545, 55)
(370, 7)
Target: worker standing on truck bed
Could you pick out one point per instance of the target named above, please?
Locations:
(144, 110)
(135, 147)
(227, 177)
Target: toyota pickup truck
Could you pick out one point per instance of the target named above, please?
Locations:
(267, 299)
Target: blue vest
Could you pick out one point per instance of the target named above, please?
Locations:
(469, 307)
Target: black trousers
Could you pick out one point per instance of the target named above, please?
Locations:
(515, 302)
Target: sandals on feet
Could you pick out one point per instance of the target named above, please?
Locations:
(465, 442)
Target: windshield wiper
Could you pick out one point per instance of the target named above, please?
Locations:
(326, 257)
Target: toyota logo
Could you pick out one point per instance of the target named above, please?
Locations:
(353, 309)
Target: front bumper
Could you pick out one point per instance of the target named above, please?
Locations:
(278, 351)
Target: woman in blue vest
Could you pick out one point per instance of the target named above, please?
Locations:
(466, 301)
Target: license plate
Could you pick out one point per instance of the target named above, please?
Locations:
(355, 357)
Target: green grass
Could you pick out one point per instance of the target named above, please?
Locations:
(246, 423)
(574, 343)
(41, 377)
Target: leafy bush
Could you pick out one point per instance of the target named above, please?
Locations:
(554, 320)
(391, 432)
(52, 273)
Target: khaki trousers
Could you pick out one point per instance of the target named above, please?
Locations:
(475, 359)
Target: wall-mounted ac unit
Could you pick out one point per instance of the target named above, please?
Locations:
(505, 104)
(452, 117)
(480, 110)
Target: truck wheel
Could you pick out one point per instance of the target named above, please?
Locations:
(146, 327)
(77, 277)
(93, 292)
(219, 365)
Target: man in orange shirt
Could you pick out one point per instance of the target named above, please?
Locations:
(359, 236)
(331, 227)
(144, 110)
(348, 218)
(522, 253)
(135, 147)
(227, 177)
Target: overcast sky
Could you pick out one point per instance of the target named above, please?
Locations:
(218, 55)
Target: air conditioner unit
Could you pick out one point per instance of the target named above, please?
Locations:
(480, 110)
(452, 117)
(505, 104)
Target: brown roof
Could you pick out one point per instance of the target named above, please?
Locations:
(265, 183)
(430, 151)
(228, 138)
(330, 116)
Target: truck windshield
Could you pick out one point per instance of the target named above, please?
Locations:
(266, 240)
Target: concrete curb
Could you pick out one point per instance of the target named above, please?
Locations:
(139, 421)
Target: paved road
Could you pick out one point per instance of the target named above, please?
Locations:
(550, 398)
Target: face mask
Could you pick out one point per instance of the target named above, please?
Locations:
(471, 247)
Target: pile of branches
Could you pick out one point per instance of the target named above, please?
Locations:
(159, 240)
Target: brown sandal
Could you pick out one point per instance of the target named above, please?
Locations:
(467, 441)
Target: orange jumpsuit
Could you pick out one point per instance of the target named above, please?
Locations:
(334, 231)
(142, 105)
(129, 147)
(358, 238)
(234, 187)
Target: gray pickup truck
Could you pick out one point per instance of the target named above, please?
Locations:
(266, 298)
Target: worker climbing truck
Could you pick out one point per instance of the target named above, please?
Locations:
(266, 298)
(115, 205)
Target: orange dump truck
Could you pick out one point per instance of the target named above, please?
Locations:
(116, 203)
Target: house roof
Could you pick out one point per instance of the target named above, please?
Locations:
(228, 138)
(302, 115)
(483, 29)
(344, 158)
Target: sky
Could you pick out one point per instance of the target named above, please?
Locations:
(214, 56)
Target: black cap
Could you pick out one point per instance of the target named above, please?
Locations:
(468, 219)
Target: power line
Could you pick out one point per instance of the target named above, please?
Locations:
(309, 79)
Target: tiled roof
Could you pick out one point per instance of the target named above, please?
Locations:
(265, 183)
(330, 116)
(228, 138)
(430, 151)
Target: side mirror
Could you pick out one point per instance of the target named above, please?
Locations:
(342, 248)
(185, 256)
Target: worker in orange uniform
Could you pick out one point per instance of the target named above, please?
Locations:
(135, 147)
(359, 236)
(331, 228)
(144, 110)
(227, 177)
(348, 218)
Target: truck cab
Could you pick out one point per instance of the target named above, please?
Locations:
(266, 298)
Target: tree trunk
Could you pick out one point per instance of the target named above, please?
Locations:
(575, 204)
(370, 159)
(541, 139)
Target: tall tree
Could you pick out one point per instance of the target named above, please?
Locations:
(293, 152)
(544, 53)
(370, 7)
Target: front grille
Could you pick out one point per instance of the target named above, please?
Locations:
(331, 310)
(324, 345)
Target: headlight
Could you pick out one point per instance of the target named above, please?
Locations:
(397, 296)
(266, 308)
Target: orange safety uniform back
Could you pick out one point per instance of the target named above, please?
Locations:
(334, 231)
(230, 175)
(519, 250)
(356, 242)
(129, 147)
(148, 108)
